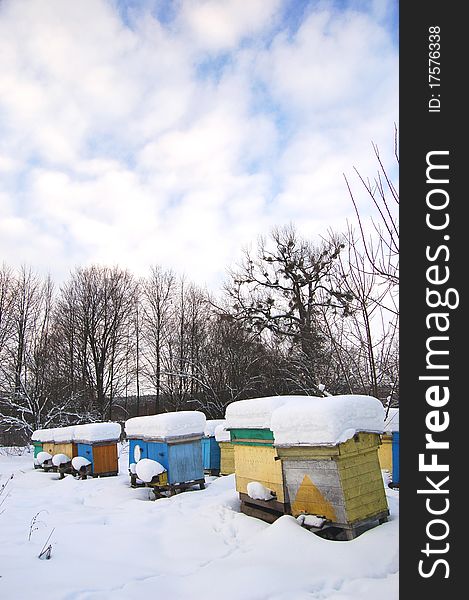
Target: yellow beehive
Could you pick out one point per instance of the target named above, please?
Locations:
(49, 447)
(341, 483)
(385, 452)
(69, 449)
(258, 463)
(391, 425)
(227, 464)
(64, 441)
(303, 449)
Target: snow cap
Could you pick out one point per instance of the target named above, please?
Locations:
(80, 461)
(59, 459)
(221, 433)
(42, 457)
(98, 432)
(146, 469)
(255, 413)
(211, 425)
(257, 491)
(64, 434)
(165, 425)
(391, 423)
(43, 435)
(328, 421)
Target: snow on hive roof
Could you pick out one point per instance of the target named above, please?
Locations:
(255, 413)
(221, 433)
(391, 422)
(98, 432)
(43, 435)
(64, 434)
(164, 425)
(327, 421)
(211, 425)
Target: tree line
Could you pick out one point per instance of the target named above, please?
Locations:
(292, 318)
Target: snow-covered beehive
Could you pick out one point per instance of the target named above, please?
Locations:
(97, 443)
(39, 438)
(174, 441)
(222, 435)
(211, 448)
(317, 456)
(255, 458)
(43, 441)
(44, 448)
(389, 450)
(64, 442)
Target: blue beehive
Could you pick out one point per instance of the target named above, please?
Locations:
(211, 448)
(174, 440)
(97, 442)
(211, 455)
(391, 428)
(395, 458)
(138, 449)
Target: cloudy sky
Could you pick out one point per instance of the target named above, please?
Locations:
(143, 132)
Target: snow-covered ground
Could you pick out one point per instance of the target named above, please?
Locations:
(111, 542)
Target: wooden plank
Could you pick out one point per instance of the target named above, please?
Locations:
(171, 489)
(268, 511)
(272, 505)
(253, 511)
(380, 517)
(307, 452)
(105, 459)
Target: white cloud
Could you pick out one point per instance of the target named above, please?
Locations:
(222, 24)
(334, 61)
(136, 145)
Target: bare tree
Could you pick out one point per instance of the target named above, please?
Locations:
(7, 283)
(158, 298)
(372, 275)
(28, 395)
(282, 289)
(361, 342)
(381, 244)
(188, 332)
(99, 302)
(232, 365)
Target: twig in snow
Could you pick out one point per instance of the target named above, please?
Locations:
(2, 490)
(34, 525)
(46, 550)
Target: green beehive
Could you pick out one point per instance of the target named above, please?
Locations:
(255, 457)
(43, 441)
